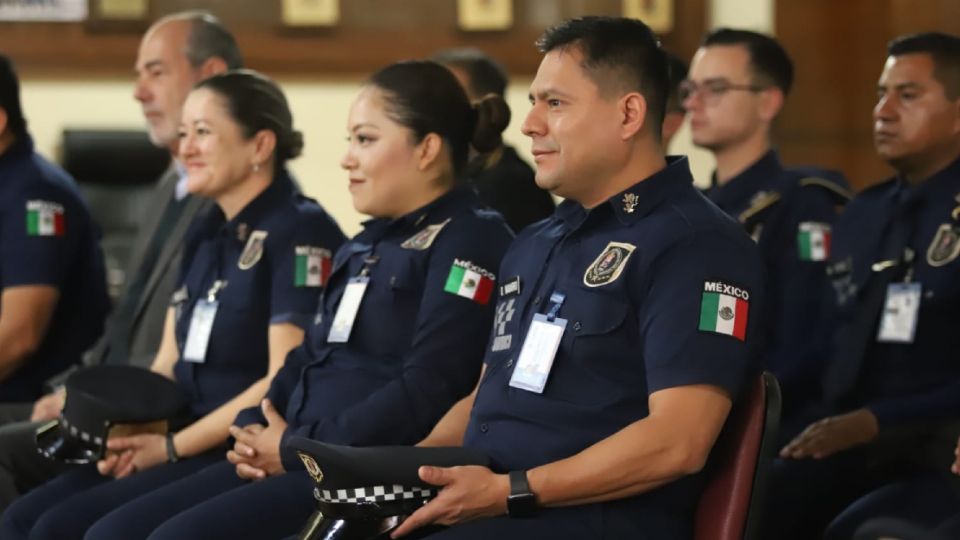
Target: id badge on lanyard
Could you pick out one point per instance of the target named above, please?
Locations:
(201, 325)
(539, 348)
(898, 322)
(349, 305)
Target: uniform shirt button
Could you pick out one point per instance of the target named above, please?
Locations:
(393, 281)
(577, 326)
(510, 362)
(537, 300)
(484, 428)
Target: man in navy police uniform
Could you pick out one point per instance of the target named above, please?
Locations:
(625, 324)
(737, 86)
(891, 392)
(54, 297)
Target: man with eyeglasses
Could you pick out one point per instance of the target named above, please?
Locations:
(736, 87)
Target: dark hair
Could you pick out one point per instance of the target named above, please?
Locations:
(426, 98)
(944, 50)
(626, 47)
(10, 97)
(208, 38)
(486, 75)
(678, 72)
(257, 103)
(768, 59)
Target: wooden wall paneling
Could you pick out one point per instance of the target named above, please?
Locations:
(372, 33)
(838, 50)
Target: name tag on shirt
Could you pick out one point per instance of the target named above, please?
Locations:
(899, 321)
(198, 335)
(347, 310)
(537, 354)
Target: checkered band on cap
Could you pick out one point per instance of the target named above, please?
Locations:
(373, 494)
(82, 435)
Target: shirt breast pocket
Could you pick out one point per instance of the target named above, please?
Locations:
(598, 358)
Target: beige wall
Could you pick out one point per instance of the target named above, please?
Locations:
(319, 107)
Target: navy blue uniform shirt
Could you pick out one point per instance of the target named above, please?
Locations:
(893, 232)
(273, 257)
(417, 342)
(661, 290)
(47, 237)
(790, 214)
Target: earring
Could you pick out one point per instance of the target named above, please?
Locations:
(256, 167)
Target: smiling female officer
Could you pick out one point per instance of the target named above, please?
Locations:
(399, 334)
(253, 269)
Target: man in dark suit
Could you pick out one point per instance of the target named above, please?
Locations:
(175, 53)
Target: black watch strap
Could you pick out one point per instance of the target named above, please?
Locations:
(521, 502)
(172, 456)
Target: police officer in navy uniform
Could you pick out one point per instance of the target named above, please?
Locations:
(625, 322)
(185, 47)
(500, 177)
(253, 269)
(51, 268)
(399, 333)
(737, 85)
(891, 391)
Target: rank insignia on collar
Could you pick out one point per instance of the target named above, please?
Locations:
(630, 201)
(312, 468)
(608, 266)
(945, 245)
(252, 251)
(424, 239)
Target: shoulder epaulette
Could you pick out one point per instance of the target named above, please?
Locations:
(837, 191)
(759, 204)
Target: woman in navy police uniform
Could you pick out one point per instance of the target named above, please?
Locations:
(386, 370)
(253, 269)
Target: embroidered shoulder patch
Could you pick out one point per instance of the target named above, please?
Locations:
(312, 266)
(813, 241)
(724, 309)
(424, 239)
(608, 266)
(945, 245)
(252, 251)
(45, 218)
(470, 281)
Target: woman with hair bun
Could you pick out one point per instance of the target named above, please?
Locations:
(401, 329)
(244, 301)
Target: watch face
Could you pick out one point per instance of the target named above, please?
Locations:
(521, 505)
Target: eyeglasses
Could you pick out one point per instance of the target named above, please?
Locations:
(712, 90)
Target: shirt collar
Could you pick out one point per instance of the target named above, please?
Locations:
(764, 175)
(431, 213)
(945, 183)
(22, 146)
(253, 213)
(641, 198)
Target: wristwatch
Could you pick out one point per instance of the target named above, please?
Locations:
(521, 502)
(172, 456)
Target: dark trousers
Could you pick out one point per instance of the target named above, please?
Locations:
(67, 506)
(804, 495)
(15, 412)
(22, 468)
(275, 507)
(924, 500)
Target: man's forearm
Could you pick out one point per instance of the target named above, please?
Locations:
(450, 429)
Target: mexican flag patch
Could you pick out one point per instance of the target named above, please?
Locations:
(45, 219)
(312, 266)
(470, 281)
(724, 309)
(813, 241)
